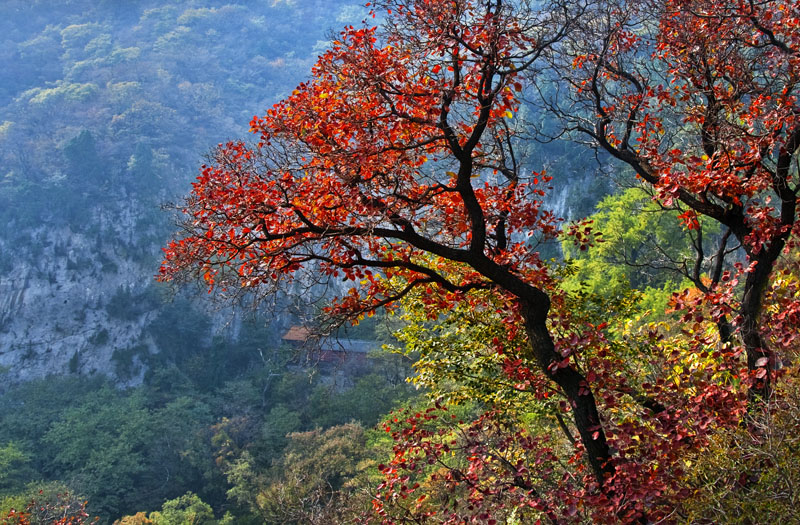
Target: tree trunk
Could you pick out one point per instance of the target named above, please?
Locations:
(576, 388)
(750, 311)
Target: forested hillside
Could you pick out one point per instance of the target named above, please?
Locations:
(470, 262)
(107, 109)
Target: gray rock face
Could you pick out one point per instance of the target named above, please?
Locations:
(106, 112)
(73, 298)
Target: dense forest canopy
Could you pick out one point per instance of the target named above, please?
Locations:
(571, 225)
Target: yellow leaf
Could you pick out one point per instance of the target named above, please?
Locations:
(508, 114)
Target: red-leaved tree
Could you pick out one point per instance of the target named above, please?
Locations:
(699, 97)
(397, 167)
(57, 509)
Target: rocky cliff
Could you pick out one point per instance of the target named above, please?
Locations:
(105, 114)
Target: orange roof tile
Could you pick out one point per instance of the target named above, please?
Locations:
(297, 333)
